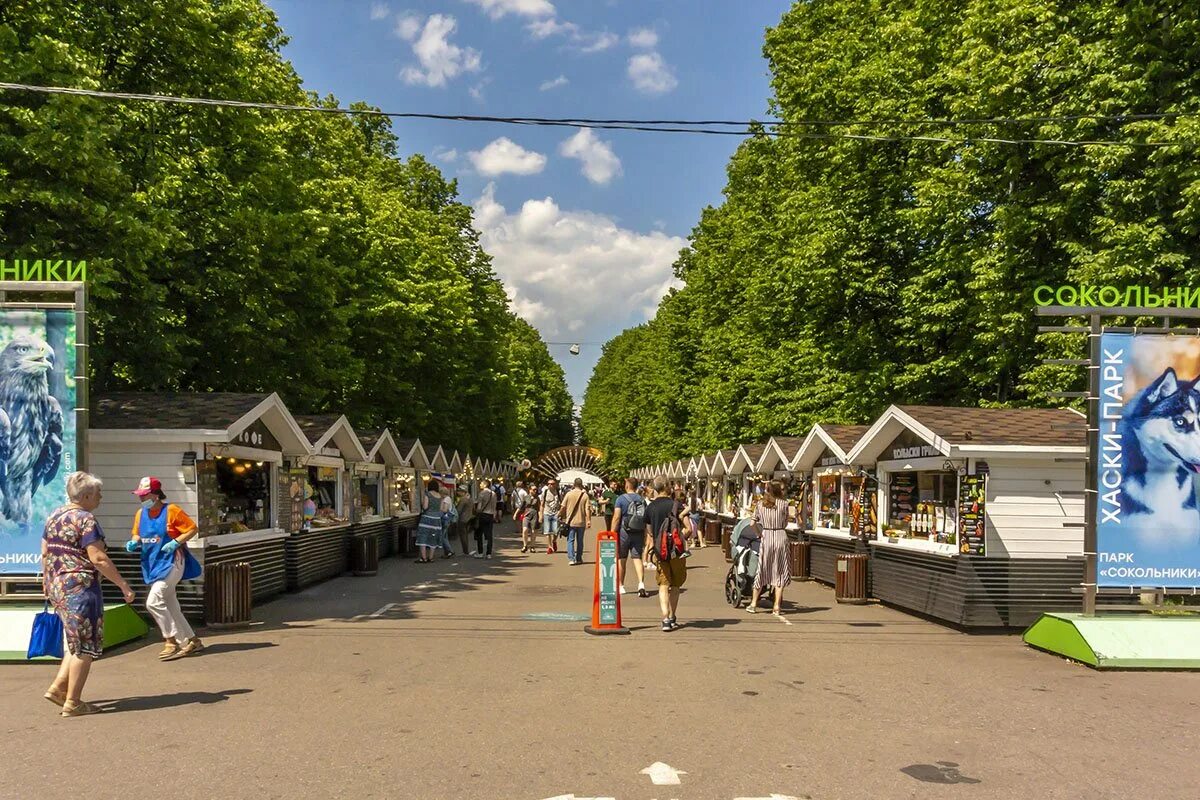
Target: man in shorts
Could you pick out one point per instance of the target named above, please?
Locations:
(631, 542)
(671, 572)
(523, 516)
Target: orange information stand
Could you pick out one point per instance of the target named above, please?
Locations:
(606, 596)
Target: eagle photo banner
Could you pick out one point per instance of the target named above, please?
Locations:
(1148, 458)
(37, 428)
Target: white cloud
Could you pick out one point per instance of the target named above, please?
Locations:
(408, 26)
(600, 163)
(575, 273)
(557, 83)
(643, 38)
(596, 42)
(545, 28)
(506, 156)
(439, 59)
(446, 155)
(650, 74)
(523, 8)
(577, 38)
(379, 11)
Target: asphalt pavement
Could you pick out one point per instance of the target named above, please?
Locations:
(474, 679)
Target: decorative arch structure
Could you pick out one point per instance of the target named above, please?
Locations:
(576, 458)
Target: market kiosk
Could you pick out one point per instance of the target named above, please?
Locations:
(833, 487)
(320, 549)
(980, 511)
(372, 512)
(744, 471)
(221, 458)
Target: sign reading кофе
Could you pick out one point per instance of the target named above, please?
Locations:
(1148, 517)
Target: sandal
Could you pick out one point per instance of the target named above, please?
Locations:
(79, 709)
(58, 699)
(751, 610)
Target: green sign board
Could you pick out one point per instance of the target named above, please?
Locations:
(608, 581)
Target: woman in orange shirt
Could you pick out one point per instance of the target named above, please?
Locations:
(159, 529)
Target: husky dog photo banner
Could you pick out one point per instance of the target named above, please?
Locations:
(1148, 517)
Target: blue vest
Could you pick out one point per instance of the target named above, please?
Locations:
(157, 565)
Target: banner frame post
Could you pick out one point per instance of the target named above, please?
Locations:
(1094, 331)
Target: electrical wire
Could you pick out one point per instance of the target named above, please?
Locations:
(749, 128)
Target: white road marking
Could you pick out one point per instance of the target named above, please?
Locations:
(384, 610)
(785, 621)
(663, 774)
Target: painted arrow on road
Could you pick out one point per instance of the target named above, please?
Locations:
(663, 774)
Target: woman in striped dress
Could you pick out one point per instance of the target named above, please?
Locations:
(434, 507)
(771, 518)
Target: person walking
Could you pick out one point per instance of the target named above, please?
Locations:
(549, 501)
(608, 503)
(485, 520)
(577, 516)
(671, 567)
(466, 519)
(432, 527)
(521, 500)
(629, 521)
(501, 497)
(161, 530)
(693, 508)
(771, 518)
(74, 558)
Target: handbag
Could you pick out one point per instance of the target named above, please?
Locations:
(46, 638)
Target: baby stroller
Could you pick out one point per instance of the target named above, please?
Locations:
(739, 581)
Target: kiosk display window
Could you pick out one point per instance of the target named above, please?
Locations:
(829, 502)
(244, 495)
(923, 505)
(368, 491)
(326, 498)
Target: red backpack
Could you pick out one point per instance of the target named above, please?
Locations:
(668, 541)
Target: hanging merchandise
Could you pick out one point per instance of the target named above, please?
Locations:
(972, 499)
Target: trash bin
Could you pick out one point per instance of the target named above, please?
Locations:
(799, 558)
(712, 530)
(364, 555)
(227, 595)
(726, 540)
(850, 581)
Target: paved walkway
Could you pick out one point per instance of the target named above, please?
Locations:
(469, 679)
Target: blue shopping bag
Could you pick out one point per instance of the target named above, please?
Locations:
(46, 638)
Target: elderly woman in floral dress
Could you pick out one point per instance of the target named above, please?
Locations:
(73, 559)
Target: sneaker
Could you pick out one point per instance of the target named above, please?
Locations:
(667, 627)
(476, 555)
(674, 623)
(685, 554)
(488, 556)
(170, 648)
(623, 591)
(642, 593)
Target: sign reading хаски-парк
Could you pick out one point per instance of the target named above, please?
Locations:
(42, 270)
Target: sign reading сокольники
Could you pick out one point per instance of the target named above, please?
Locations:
(1088, 296)
(37, 407)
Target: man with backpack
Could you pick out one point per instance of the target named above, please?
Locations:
(523, 516)
(629, 521)
(670, 552)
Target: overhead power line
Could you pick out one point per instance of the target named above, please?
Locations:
(773, 128)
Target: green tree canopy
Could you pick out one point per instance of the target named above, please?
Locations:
(246, 250)
(841, 275)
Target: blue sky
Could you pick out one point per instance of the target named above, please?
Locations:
(583, 227)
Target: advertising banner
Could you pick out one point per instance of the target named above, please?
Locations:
(1148, 461)
(37, 428)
